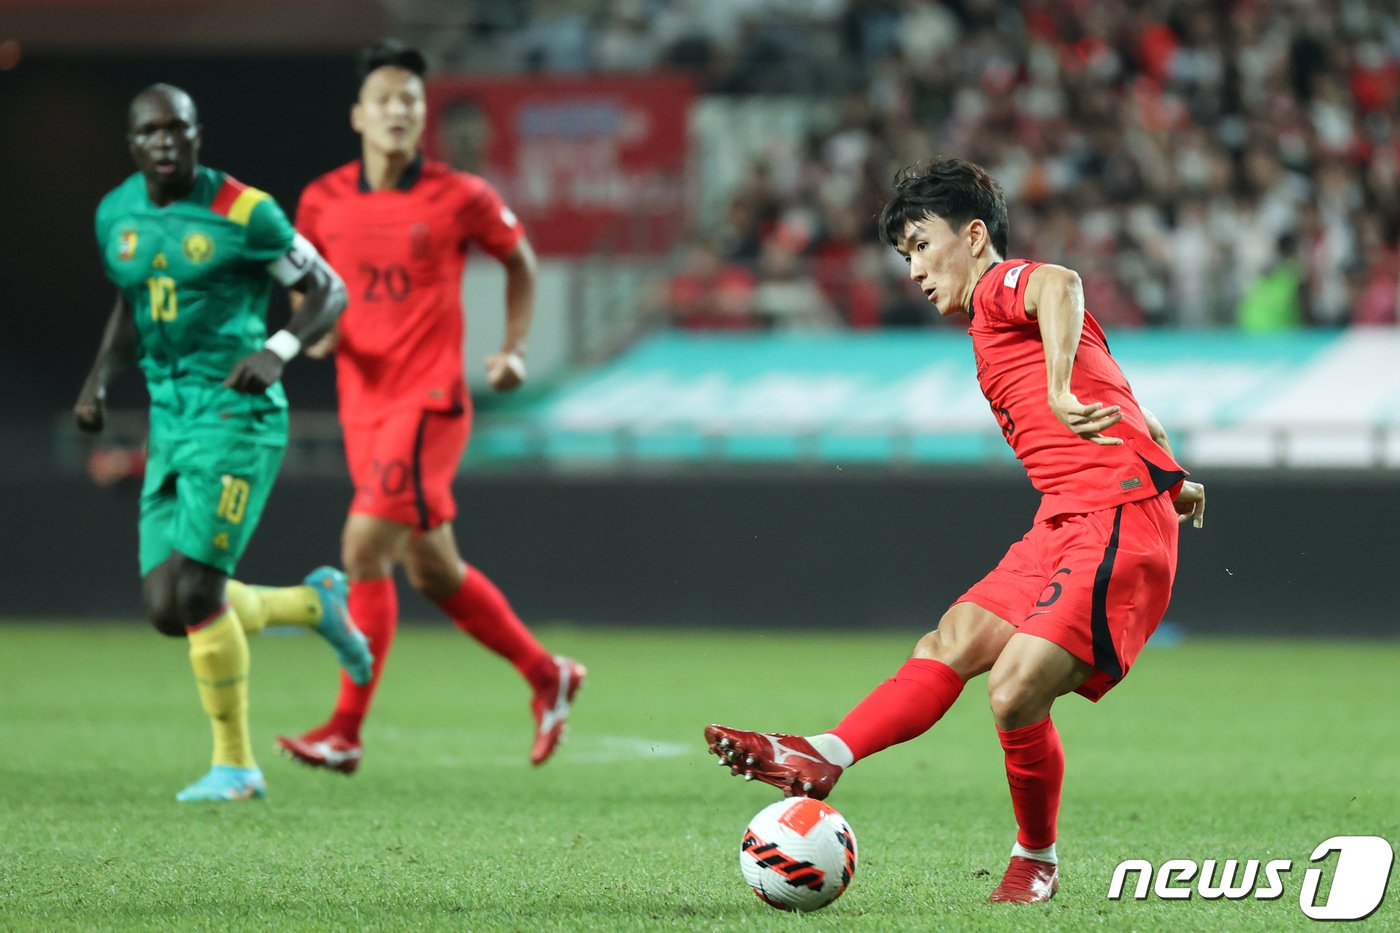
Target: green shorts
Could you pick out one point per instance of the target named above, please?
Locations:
(203, 497)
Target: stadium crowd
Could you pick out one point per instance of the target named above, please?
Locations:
(1201, 164)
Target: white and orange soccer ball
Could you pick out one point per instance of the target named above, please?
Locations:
(798, 854)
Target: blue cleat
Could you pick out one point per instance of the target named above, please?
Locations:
(225, 782)
(336, 626)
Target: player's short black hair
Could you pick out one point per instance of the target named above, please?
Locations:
(954, 189)
(394, 53)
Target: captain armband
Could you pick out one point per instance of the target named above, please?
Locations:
(291, 267)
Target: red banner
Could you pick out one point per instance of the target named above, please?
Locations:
(589, 164)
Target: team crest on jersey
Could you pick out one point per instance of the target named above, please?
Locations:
(198, 247)
(126, 244)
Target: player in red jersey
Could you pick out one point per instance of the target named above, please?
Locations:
(1071, 603)
(397, 228)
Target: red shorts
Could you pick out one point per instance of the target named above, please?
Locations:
(403, 464)
(1095, 584)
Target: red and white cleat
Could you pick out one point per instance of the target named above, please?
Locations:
(551, 706)
(329, 750)
(1027, 881)
(788, 762)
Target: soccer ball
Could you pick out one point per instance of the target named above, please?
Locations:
(798, 854)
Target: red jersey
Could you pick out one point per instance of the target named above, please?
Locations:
(1073, 475)
(402, 252)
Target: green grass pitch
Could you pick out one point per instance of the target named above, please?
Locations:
(1211, 749)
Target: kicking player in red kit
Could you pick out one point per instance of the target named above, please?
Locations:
(1072, 603)
(397, 228)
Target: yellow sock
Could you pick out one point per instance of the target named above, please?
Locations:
(261, 606)
(219, 656)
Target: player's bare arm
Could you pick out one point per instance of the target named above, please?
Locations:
(324, 347)
(505, 370)
(319, 297)
(1157, 432)
(114, 355)
(1190, 500)
(1055, 298)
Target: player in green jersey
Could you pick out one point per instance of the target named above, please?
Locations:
(193, 253)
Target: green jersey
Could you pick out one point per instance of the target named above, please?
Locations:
(196, 275)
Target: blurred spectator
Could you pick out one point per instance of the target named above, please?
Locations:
(1378, 291)
(847, 269)
(786, 295)
(624, 42)
(709, 294)
(1273, 301)
(556, 37)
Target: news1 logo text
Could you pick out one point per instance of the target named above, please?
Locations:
(1359, 875)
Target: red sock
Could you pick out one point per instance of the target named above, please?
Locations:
(1035, 769)
(481, 610)
(903, 707)
(374, 605)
